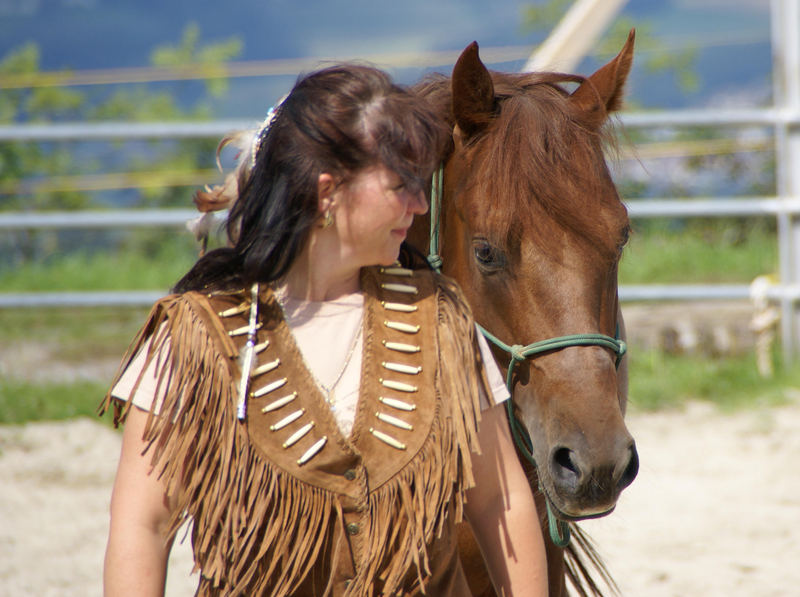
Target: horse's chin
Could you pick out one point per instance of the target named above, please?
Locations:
(572, 510)
(586, 514)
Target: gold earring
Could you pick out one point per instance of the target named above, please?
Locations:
(327, 221)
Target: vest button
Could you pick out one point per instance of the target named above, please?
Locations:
(349, 474)
(353, 528)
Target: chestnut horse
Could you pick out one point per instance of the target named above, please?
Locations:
(532, 228)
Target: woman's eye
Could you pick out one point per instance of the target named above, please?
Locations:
(488, 257)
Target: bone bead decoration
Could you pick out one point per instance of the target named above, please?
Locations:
(403, 288)
(400, 307)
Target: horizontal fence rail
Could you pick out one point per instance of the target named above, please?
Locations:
(104, 131)
(96, 131)
(110, 298)
(118, 218)
(627, 294)
(638, 208)
(129, 218)
(718, 118)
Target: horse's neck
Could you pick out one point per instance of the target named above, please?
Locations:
(420, 231)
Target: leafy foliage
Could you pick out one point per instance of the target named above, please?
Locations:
(23, 166)
(543, 16)
(653, 55)
(211, 57)
(56, 175)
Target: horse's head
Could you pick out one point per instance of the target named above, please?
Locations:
(532, 229)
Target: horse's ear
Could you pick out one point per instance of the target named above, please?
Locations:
(473, 92)
(602, 93)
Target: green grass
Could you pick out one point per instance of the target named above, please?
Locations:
(156, 269)
(659, 381)
(713, 255)
(72, 334)
(659, 252)
(22, 402)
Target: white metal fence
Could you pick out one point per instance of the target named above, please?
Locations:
(783, 118)
(787, 207)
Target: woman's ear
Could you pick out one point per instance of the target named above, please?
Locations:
(326, 187)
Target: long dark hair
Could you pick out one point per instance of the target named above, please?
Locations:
(339, 120)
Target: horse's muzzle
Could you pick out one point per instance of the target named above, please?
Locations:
(586, 487)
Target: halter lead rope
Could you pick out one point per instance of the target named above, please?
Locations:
(559, 529)
(437, 184)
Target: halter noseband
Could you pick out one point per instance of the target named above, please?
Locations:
(559, 530)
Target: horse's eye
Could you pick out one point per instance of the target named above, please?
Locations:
(489, 258)
(624, 237)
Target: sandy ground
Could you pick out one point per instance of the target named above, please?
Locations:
(715, 510)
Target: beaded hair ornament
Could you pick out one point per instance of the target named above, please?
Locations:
(212, 199)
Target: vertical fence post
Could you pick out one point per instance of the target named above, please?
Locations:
(785, 15)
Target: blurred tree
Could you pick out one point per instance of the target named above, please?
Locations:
(543, 15)
(211, 57)
(23, 164)
(658, 59)
(53, 175)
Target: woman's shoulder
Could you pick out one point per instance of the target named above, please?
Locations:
(203, 299)
(188, 313)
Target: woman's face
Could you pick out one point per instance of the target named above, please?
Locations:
(372, 215)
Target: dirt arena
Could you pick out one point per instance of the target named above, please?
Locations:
(714, 512)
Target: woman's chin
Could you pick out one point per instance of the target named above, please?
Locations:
(389, 260)
(385, 257)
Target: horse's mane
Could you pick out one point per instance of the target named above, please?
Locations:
(535, 158)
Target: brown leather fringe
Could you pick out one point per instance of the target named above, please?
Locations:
(461, 374)
(409, 512)
(240, 504)
(258, 530)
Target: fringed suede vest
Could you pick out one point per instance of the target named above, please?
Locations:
(282, 503)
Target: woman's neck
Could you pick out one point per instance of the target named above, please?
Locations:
(319, 273)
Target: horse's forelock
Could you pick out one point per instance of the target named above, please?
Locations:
(536, 160)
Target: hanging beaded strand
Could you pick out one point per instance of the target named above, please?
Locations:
(248, 353)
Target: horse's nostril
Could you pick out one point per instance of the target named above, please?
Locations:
(631, 470)
(564, 466)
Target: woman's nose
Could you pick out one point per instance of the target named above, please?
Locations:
(418, 204)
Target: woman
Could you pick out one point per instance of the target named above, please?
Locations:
(310, 404)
